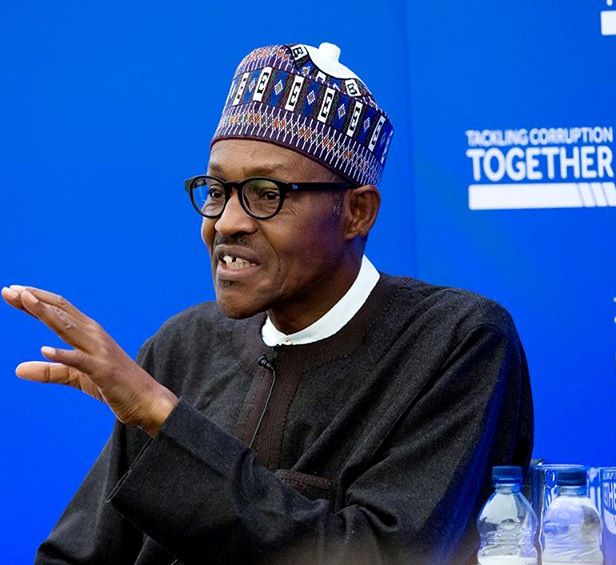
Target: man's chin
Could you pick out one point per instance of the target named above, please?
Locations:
(238, 308)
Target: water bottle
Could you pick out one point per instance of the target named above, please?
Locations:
(507, 524)
(571, 523)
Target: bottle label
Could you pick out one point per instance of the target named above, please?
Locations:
(568, 560)
(507, 560)
(608, 499)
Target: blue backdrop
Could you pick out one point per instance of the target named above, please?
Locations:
(107, 106)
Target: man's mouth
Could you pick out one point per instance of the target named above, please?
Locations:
(236, 263)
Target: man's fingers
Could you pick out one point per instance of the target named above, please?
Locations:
(8, 293)
(13, 298)
(69, 357)
(69, 328)
(50, 298)
(58, 373)
(42, 372)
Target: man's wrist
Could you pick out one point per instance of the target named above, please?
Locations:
(159, 409)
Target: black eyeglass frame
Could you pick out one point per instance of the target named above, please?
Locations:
(284, 187)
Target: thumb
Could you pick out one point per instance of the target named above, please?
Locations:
(42, 372)
(58, 373)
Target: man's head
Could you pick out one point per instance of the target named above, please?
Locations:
(296, 115)
(297, 264)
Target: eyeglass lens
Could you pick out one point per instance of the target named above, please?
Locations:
(260, 196)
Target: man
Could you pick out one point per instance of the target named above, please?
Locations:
(319, 412)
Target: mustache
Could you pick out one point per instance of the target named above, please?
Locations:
(231, 240)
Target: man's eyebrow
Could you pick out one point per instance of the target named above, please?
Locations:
(274, 170)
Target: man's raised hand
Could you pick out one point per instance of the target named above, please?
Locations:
(97, 365)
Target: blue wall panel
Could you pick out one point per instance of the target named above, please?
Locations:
(107, 107)
(523, 66)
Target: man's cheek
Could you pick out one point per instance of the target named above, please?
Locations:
(207, 234)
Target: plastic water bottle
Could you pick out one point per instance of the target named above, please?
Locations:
(571, 523)
(507, 524)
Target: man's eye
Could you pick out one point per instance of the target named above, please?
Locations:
(269, 195)
(215, 193)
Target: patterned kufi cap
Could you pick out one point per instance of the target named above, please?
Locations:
(301, 97)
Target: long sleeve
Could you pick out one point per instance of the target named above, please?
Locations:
(200, 493)
(90, 530)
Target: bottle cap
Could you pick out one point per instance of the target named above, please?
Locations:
(506, 475)
(571, 477)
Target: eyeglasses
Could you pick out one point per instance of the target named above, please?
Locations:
(260, 197)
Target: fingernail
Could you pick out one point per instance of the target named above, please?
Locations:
(17, 287)
(48, 351)
(9, 292)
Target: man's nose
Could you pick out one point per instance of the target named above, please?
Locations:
(234, 219)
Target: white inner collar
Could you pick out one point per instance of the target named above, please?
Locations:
(333, 320)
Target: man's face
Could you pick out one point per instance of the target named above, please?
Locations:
(293, 265)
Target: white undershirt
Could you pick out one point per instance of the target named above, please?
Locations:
(333, 320)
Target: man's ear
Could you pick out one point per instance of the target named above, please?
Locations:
(362, 207)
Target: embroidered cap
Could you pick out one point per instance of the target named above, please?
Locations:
(303, 98)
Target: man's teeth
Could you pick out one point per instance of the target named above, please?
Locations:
(236, 262)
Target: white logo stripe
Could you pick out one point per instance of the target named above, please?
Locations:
(597, 191)
(610, 193)
(540, 195)
(586, 194)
